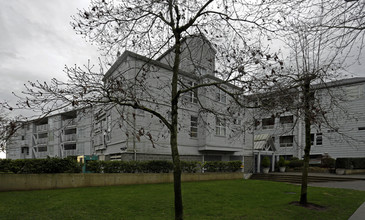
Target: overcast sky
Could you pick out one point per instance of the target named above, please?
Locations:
(37, 41)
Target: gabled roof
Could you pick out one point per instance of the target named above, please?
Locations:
(202, 36)
(341, 82)
(264, 142)
(127, 53)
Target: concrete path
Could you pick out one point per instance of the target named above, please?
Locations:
(359, 214)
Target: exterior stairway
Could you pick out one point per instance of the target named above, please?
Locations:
(312, 177)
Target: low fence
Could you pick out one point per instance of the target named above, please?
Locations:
(11, 182)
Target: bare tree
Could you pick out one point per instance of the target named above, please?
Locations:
(230, 33)
(317, 55)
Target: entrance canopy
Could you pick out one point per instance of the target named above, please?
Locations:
(264, 142)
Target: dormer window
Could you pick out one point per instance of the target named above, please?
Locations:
(193, 94)
(201, 70)
(220, 96)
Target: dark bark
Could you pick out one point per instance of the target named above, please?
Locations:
(307, 122)
(173, 136)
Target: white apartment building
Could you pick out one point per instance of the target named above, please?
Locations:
(342, 136)
(60, 135)
(115, 132)
(118, 132)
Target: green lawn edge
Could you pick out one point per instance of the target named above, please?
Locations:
(224, 199)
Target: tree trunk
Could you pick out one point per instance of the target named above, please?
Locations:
(173, 135)
(307, 122)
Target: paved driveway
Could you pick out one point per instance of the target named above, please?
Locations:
(357, 185)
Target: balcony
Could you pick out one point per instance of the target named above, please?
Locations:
(267, 126)
(42, 140)
(286, 144)
(75, 152)
(42, 128)
(69, 137)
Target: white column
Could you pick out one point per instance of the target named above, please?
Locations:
(258, 162)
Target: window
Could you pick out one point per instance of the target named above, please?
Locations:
(268, 123)
(319, 139)
(332, 130)
(25, 150)
(312, 139)
(361, 128)
(193, 126)
(286, 141)
(108, 127)
(220, 126)
(286, 119)
(237, 121)
(42, 149)
(70, 147)
(193, 94)
(220, 96)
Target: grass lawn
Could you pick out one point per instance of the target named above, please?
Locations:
(230, 199)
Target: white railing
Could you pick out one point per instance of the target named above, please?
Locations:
(69, 137)
(43, 154)
(286, 144)
(42, 140)
(43, 127)
(76, 152)
(267, 126)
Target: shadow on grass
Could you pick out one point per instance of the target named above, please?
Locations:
(310, 206)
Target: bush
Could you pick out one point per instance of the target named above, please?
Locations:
(159, 166)
(282, 162)
(70, 165)
(190, 166)
(234, 166)
(295, 162)
(222, 166)
(265, 162)
(49, 165)
(328, 162)
(349, 163)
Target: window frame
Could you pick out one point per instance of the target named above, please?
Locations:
(193, 126)
(286, 144)
(220, 127)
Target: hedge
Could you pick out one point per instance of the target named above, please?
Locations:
(69, 165)
(49, 165)
(161, 166)
(295, 162)
(350, 163)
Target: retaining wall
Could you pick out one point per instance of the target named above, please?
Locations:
(11, 182)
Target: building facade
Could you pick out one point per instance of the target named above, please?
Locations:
(117, 132)
(342, 135)
(60, 135)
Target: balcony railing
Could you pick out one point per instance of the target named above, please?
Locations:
(41, 128)
(42, 154)
(42, 140)
(286, 144)
(76, 152)
(267, 126)
(69, 137)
